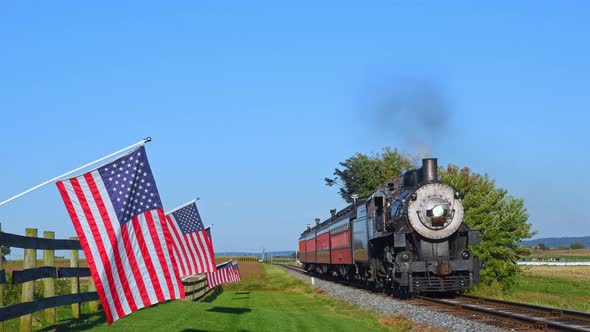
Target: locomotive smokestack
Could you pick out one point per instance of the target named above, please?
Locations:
(429, 169)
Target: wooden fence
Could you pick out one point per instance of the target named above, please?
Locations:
(195, 288)
(49, 273)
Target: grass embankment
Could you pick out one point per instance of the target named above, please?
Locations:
(565, 287)
(267, 299)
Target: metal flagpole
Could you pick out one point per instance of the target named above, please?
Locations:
(142, 142)
(183, 205)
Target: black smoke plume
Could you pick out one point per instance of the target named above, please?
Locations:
(415, 110)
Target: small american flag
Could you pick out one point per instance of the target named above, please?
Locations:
(226, 273)
(118, 216)
(192, 246)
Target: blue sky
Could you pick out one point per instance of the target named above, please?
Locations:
(250, 105)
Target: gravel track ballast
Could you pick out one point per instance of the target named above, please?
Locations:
(390, 305)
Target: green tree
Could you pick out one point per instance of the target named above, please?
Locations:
(362, 174)
(577, 245)
(501, 219)
(542, 246)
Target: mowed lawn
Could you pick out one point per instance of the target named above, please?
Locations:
(267, 299)
(565, 287)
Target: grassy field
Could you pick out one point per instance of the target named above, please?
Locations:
(267, 299)
(556, 286)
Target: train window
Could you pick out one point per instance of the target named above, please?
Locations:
(379, 213)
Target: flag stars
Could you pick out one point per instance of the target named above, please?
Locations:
(131, 186)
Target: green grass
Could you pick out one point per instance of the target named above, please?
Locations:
(561, 287)
(273, 278)
(274, 302)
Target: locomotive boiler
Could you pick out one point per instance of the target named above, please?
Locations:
(407, 237)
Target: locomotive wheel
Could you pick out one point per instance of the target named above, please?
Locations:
(377, 273)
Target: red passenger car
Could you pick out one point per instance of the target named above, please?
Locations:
(310, 247)
(323, 247)
(341, 248)
(302, 250)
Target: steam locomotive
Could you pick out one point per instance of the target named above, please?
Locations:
(408, 237)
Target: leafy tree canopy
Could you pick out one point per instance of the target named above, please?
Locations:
(362, 174)
(500, 217)
(542, 246)
(577, 245)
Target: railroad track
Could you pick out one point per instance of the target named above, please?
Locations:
(509, 315)
(294, 268)
(512, 315)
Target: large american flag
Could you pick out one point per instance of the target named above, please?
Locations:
(226, 273)
(118, 216)
(192, 246)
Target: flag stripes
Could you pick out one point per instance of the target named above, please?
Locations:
(130, 263)
(193, 251)
(226, 273)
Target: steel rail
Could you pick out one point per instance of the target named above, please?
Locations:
(550, 310)
(294, 268)
(537, 316)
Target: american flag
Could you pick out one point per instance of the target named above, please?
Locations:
(226, 273)
(192, 246)
(118, 216)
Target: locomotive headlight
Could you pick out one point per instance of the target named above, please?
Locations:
(465, 254)
(438, 211)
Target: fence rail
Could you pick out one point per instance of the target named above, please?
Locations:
(31, 273)
(195, 288)
(26, 242)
